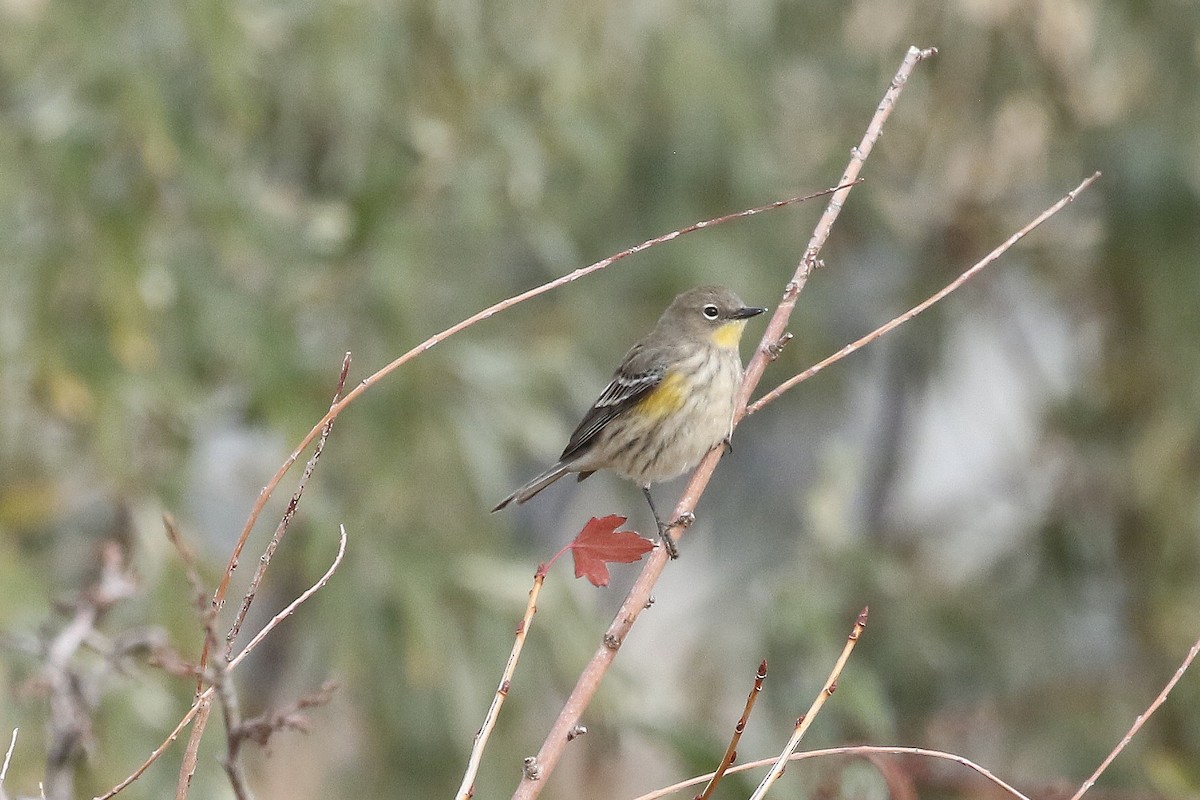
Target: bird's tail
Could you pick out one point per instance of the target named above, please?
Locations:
(534, 486)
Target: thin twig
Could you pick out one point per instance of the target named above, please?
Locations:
(208, 618)
(857, 750)
(231, 712)
(186, 555)
(292, 606)
(264, 561)
(467, 789)
(260, 729)
(539, 767)
(1139, 722)
(731, 751)
(803, 724)
(188, 765)
(7, 758)
(931, 300)
(206, 696)
(438, 338)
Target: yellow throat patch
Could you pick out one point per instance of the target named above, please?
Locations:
(729, 334)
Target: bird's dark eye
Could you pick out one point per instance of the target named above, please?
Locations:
(711, 312)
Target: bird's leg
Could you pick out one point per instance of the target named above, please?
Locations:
(727, 445)
(663, 533)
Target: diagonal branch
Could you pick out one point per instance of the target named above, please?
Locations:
(467, 789)
(1137, 723)
(731, 750)
(539, 767)
(931, 300)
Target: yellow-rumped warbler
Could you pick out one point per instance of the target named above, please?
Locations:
(669, 403)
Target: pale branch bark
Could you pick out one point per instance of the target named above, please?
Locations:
(805, 721)
(1139, 722)
(854, 750)
(936, 297)
(539, 767)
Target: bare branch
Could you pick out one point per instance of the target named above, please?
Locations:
(931, 300)
(204, 700)
(635, 601)
(264, 561)
(188, 766)
(260, 729)
(803, 724)
(7, 758)
(731, 751)
(857, 750)
(1139, 722)
(467, 789)
(70, 725)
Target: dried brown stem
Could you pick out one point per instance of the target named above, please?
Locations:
(231, 712)
(540, 766)
(856, 750)
(1139, 722)
(931, 300)
(731, 751)
(467, 789)
(187, 556)
(260, 729)
(264, 561)
(188, 766)
(205, 699)
(803, 724)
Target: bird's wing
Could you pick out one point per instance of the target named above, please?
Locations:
(630, 384)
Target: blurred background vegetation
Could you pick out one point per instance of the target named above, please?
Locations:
(203, 206)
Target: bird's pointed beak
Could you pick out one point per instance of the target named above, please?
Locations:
(746, 312)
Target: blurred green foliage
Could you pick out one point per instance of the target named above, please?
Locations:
(203, 206)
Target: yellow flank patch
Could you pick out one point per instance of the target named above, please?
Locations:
(664, 399)
(729, 334)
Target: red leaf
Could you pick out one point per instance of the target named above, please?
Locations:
(600, 542)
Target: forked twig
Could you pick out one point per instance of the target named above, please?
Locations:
(802, 724)
(731, 751)
(264, 561)
(931, 300)
(206, 696)
(188, 765)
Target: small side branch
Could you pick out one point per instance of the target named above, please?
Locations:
(731, 751)
(802, 724)
(1139, 722)
(204, 700)
(467, 789)
(931, 300)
